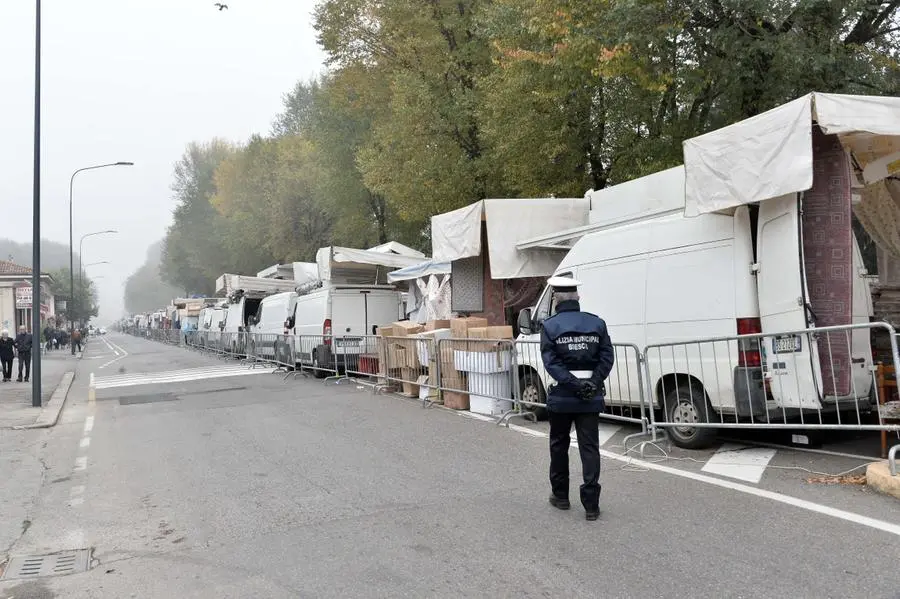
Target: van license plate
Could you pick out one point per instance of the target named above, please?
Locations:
(787, 344)
(348, 342)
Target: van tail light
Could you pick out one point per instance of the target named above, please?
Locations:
(326, 331)
(749, 355)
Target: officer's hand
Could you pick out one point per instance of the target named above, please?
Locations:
(587, 390)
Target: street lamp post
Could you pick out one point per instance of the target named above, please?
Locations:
(80, 258)
(36, 216)
(71, 243)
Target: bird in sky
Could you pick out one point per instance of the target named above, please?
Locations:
(220, 6)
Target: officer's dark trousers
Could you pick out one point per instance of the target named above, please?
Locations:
(25, 360)
(588, 434)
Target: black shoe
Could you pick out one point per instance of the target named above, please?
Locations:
(592, 515)
(19, 380)
(560, 503)
(26, 379)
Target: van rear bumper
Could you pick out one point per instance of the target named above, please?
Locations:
(749, 392)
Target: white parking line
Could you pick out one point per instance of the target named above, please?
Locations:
(80, 463)
(740, 461)
(85, 442)
(888, 527)
(88, 424)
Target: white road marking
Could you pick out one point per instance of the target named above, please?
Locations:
(76, 491)
(88, 424)
(740, 461)
(607, 431)
(180, 376)
(888, 527)
(80, 463)
(76, 501)
(85, 442)
(116, 348)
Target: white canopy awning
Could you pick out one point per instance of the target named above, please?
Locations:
(456, 235)
(770, 155)
(338, 263)
(418, 271)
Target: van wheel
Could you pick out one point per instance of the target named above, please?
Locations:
(531, 389)
(687, 404)
(317, 367)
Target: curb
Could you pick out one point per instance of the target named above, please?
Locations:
(878, 476)
(50, 415)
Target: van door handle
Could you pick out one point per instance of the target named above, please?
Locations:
(858, 360)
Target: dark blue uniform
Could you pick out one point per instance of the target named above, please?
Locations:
(573, 341)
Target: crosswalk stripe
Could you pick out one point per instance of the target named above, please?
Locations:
(178, 376)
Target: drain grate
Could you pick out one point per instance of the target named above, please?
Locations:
(55, 564)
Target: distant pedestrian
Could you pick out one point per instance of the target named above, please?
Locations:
(24, 341)
(578, 354)
(7, 353)
(76, 340)
(48, 337)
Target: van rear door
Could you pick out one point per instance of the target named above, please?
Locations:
(791, 362)
(861, 339)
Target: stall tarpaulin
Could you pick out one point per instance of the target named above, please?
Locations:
(418, 271)
(770, 155)
(332, 258)
(456, 235)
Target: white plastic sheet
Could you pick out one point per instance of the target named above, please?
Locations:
(770, 154)
(456, 235)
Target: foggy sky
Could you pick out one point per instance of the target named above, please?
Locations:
(136, 81)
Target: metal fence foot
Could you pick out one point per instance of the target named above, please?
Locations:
(892, 459)
(505, 418)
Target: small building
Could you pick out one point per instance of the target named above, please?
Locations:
(16, 297)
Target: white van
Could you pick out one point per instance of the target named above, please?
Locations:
(270, 326)
(657, 277)
(210, 326)
(332, 321)
(239, 314)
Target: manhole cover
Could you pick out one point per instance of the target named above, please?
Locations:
(55, 564)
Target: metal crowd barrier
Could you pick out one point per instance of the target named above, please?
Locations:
(479, 375)
(408, 365)
(315, 354)
(625, 391)
(360, 361)
(810, 379)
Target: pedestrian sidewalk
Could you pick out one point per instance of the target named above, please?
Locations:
(15, 398)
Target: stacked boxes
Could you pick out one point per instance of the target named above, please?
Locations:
(474, 360)
(487, 360)
(453, 380)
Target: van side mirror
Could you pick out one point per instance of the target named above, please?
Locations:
(524, 322)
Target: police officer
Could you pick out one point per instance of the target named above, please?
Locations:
(578, 354)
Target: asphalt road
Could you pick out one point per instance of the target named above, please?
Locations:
(210, 482)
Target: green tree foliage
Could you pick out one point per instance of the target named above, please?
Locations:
(85, 305)
(194, 250)
(429, 105)
(145, 290)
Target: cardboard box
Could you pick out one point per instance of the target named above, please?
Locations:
(405, 328)
(385, 331)
(501, 332)
(429, 345)
(434, 325)
(456, 401)
(408, 376)
(456, 381)
(459, 327)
